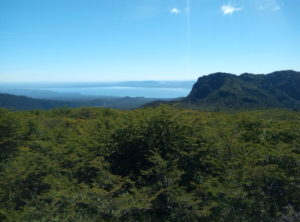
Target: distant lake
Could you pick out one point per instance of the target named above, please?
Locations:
(148, 89)
(124, 91)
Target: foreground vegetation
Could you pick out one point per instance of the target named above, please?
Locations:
(152, 164)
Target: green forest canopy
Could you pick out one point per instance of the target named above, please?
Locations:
(150, 164)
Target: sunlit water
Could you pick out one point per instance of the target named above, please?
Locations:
(125, 91)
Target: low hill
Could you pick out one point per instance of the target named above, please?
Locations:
(224, 90)
(27, 103)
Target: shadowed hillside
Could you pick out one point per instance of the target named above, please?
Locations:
(27, 103)
(223, 90)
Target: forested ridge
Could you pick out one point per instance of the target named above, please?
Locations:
(26, 103)
(224, 90)
(150, 164)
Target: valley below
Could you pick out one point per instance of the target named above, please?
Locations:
(227, 151)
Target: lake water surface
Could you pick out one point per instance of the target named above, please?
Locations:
(124, 91)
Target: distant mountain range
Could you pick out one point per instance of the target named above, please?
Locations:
(213, 92)
(28, 96)
(93, 90)
(26, 103)
(227, 91)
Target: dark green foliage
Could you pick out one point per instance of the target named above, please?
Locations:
(152, 164)
(10, 134)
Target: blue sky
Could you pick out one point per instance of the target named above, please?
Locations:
(111, 40)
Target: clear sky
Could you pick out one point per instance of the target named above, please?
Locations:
(104, 40)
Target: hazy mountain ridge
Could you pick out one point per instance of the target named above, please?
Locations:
(27, 103)
(214, 91)
(224, 90)
(93, 90)
(144, 84)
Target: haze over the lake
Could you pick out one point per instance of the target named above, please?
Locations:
(117, 40)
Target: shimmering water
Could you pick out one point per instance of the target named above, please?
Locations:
(124, 91)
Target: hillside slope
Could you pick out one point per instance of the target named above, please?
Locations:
(223, 90)
(26, 103)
